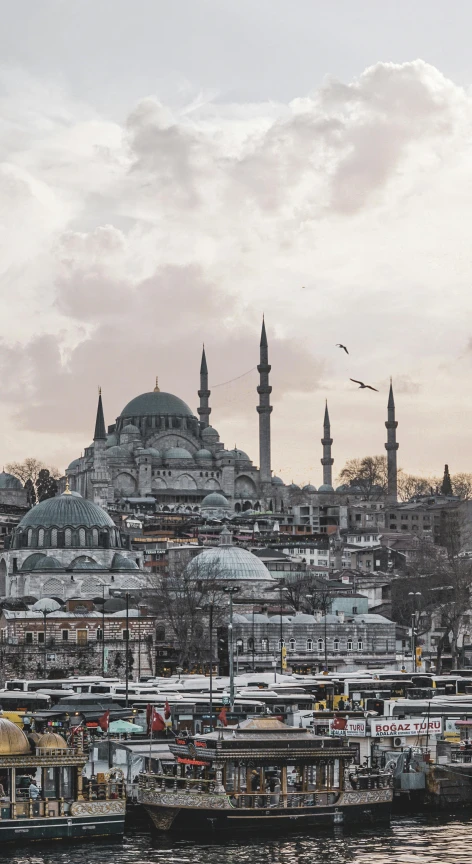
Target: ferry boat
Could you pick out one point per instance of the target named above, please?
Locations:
(67, 806)
(263, 773)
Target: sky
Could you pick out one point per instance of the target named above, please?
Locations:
(170, 172)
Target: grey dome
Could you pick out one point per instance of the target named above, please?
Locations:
(74, 464)
(47, 562)
(30, 562)
(203, 454)
(130, 429)
(66, 511)
(343, 488)
(121, 563)
(239, 455)
(277, 481)
(118, 453)
(228, 562)
(85, 563)
(309, 488)
(177, 453)
(215, 501)
(294, 487)
(152, 451)
(210, 433)
(8, 481)
(325, 487)
(46, 604)
(156, 403)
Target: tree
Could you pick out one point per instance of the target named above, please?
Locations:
(28, 472)
(46, 486)
(446, 487)
(410, 485)
(369, 474)
(462, 486)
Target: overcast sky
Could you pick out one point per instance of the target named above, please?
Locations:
(171, 170)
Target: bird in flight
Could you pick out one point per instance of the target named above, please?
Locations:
(363, 386)
(342, 346)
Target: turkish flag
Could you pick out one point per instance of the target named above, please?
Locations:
(167, 711)
(158, 723)
(339, 723)
(222, 717)
(104, 721)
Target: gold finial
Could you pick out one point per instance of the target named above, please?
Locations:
(67, 489)
(156, 388)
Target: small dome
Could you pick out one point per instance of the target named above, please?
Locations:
(309, 488)
(149, 451)
(121, 563)
(118, 453)
(277, 481)
(30, 562)
(239, 455)
(74, 464)
(130, 429)
(325, 487)
(85, 563)
(228, 563)
(203, 454)
(210, 434)
(343, 488)
(177, 453)
(47, 562)
(8, 481)
(215, 501)
(112, 440)
(51, 741)
(66, 510)
(46, 604)
(156, 404)
(13, 742)
(294, 487)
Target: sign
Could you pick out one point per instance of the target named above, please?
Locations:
(385, 727)
(352, 728)
(225, 700)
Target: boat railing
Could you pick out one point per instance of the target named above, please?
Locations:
(165, 782)
(60, 753)
(112, 789)
(289, 800)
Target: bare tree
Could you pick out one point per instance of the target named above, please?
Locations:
(369, 473)
(410, 485)
(462, 486)
(29, 472)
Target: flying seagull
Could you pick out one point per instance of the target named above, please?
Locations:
(363, 386)
(342, 346)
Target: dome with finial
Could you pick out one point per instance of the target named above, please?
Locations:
(51, 741)
(13, 741)
(215, 501)
(226, 562)
(66, 510)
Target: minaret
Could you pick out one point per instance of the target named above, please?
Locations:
(204, 393)
(391, 448)
(327, 460)
(100, 476)
(264, 409)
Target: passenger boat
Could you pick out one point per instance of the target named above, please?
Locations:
(68, 806)
(263, 774)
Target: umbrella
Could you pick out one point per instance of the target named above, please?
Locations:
(122, 726)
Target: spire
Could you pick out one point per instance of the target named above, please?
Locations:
(327, 460)
(156, 388)
(264, 409)
(391, 448)
(204, 409)
(100, 431)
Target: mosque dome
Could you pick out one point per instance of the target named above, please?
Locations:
(343, 488)
(118, 452)
(325, 487)
(74, 464)
(239, 455)
(130, 429)
(215, 501)
(309, 488)
(177, 453)
(154, 452)
(294, 487)
(66, 510)
(47, 562)
(8, 481)
(13, 742)
(155, 404)
(121, 563)
(203, 454)
(228, 563)
(277, 481)
(51, 741)
(210, 434)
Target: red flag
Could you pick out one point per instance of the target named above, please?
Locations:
(157, 724)
(167, 711)
(339, 723)
(104, 721)
(222, 717)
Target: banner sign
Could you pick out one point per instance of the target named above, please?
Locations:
(385, 727)
(347, 727)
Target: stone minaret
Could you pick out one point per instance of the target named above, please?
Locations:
(391, 448)
(264, 409)
(204, 393)
(100, 477)
(327, 460)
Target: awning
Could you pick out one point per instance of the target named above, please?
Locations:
(190, 761)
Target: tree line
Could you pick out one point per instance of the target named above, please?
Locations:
(370, 475)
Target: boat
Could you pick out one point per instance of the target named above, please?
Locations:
(263, 773)
(68, 805)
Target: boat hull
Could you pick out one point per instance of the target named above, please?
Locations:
(91, 821)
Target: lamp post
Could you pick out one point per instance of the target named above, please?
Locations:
(210, 624)
(127, 651)
(231, 590)
(46, 605)
(414, 624)
(325, 610)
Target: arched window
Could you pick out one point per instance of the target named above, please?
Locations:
(349, 644)
(264, 645)
(320, 645)
(360, 645)
(41, 537)
(336, 644)
(68, 537)
(95, 537)
(281, 644)
(30, 536)
(81, 536)
(250, 644)
(99, 634)
(309, 644)
(292, 645)
(53, 537)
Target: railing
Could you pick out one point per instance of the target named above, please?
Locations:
(113, 789)
(461, 754)
(290, 800)
(165, 782)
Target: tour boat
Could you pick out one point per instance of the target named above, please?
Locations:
(65, 805)
(263, 773)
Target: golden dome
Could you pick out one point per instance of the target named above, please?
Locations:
(51, 741)
(13, 742)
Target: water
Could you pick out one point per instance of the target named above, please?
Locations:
(420, 840)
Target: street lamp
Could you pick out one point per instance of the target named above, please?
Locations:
(414, 595)
(46, 606)
(231, 590)
(210, 624)
(325, 610)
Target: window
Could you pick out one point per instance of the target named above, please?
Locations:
(309, 644)
(68, 537)
(354, 610)
(349, 644)
(99, 634)
(336, 644)
(81, 536)
(358, 517)
(281, 644)
(41, 537)
(292, 645)
(415, 517)
(65, 635)
(29, 637)
(250, 644)
(360, 645)
(41, 637)
(264, 644)
(125, 634)
(320, 645)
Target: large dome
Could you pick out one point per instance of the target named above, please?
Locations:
(13, 742)
(228, 562)
(215, 501)
(156, 403)
(66, 511)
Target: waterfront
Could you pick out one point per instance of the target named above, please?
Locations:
(419, 841)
